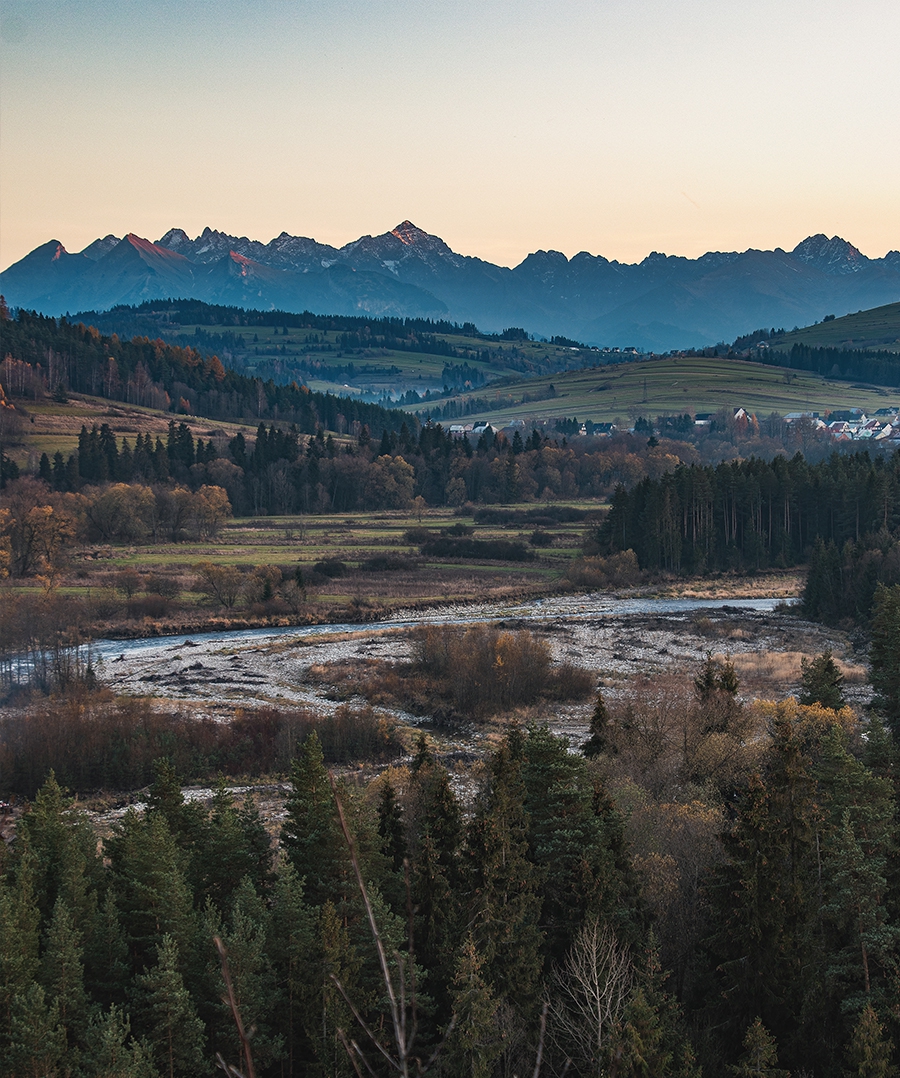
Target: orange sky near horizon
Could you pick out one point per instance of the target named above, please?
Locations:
(614, 126)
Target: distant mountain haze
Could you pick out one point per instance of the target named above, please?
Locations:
(663, 302)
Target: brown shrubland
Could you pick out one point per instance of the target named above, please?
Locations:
(96, 742)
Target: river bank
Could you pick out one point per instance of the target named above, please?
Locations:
(617, 639)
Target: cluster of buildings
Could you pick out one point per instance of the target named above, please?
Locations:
(853, 425)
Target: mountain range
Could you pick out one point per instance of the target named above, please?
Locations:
(661, 303)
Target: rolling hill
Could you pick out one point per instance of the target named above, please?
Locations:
(877, 329)
(658, 386)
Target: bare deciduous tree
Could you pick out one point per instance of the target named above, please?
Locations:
(589, 994)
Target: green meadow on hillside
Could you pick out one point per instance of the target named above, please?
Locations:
(670, 386)
(876, 329)
(379, 370)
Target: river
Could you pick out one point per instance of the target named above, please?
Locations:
(577, 607)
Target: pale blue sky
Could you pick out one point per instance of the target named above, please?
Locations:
(618, 126)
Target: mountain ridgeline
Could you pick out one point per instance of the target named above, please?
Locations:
(661, 303)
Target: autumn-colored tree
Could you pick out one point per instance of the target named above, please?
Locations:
(869, 1052)
(760, 1056)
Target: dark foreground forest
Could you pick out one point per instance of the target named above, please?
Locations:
(741, 916)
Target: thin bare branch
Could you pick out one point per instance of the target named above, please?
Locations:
(232, 1002)
(362, 1022)
(343, 1039)
(402, 1063)
(230, 1071)
(540, 1050)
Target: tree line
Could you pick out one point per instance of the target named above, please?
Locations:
(853, 364)
(282, 471)
(195, 312)
(751, 514)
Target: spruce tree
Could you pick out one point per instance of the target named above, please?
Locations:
(504, 902)
(392, 839)
(884, 655)
(869, 1052)
(821, 681)
(641, 1048)
(474, 1044)
(293, 950)
(152, 893)
(257, 844)
(311, 836)
(715, 688)
(598, 740)
(36, 1039)
(327, 1012)
(858, 842)
(567, 842)
(764, 896)
(168, 1018)
(224, 854)
(62, 974)
(252, 976)
(111, 1051)
(106, 956)
(390, 826)
(760, 1058)
(64, 850)
(165, 799)
(19, 934)
(435, 872)
(662, 1028)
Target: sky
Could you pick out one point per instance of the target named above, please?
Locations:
(619, 127)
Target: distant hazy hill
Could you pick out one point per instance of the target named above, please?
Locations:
(661, 303)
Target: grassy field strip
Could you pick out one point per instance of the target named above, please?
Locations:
(97, 573)
(370, 374)
(54, 426)
(672, 387)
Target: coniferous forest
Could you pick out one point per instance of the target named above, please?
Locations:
(750, 923)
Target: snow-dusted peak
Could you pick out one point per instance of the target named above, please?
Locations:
(833, 256)
(412, 236)
(175, 239)
(96, 250)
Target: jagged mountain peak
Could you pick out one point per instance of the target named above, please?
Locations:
(149, 249)
(551, 256)
(411, 235)
(96, 250)
(174, 238)
(833, 256)
(406, 232)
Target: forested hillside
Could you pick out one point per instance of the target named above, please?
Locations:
(45, 354)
